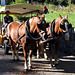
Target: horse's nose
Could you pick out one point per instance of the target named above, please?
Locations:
(66, 36)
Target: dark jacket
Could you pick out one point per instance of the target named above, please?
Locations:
(7, 20)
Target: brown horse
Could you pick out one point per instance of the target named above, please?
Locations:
(27, 33)
(54, 31)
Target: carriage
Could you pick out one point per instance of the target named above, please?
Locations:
(16, 9)
(25, 33)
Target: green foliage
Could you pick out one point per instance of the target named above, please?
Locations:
(1, 7)
(19, 1)
(21, 18)
(60, 1)
(73, 1)
(55, 2)
(51, 16)
(47, 1)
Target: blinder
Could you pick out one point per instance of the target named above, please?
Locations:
(64, 26)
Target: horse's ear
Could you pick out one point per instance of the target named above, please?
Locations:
(66, 16)
(60, 16)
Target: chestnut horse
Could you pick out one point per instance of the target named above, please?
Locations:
(27, 33)
(55, 30)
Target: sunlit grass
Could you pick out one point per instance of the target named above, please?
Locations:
(54, 15)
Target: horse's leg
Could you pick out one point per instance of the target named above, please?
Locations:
(45, 55)
(13, 52)
(30, 56)
(56, 51)
(38, 52)
(25, 57)
(12, 48)
(51, 64)
(17, 55)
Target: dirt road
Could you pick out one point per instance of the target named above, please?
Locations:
(66, 66)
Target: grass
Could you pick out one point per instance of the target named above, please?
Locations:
(54, 15)
(1, 7)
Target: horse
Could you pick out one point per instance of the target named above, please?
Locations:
(27, 33)
(55, 30)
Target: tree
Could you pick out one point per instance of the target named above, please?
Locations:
(18, 1)
(60, 1)
(47, 1)
(55, 2)
(73, 1)
(69, 6)
(13, 0)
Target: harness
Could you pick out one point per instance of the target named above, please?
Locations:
(27, 33)
(53, 34)
(18, 33)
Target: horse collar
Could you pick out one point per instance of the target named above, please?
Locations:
(27, 32)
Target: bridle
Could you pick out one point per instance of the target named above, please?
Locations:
(52, 30)
(53, 26)
(65, 25)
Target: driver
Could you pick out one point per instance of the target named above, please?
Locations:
(7, 19)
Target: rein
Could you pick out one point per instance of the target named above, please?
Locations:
(27, 33)
(39, 30)
(18, 33)
(52, 38)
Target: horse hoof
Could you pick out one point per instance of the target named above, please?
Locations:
(56, 63)
(26, 70)
(30, 69)
(46, 58)
(38, 57)
(51, 66)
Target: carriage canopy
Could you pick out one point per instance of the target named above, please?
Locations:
(21, 9)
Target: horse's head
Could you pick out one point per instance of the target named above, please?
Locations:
(38, 24)
(64, 25)
(60, 26)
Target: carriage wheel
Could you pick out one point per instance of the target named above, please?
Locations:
(6, 46)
